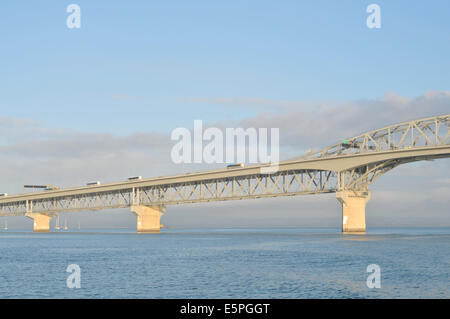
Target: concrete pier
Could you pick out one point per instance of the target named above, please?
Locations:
(148, 218)
(41, 222)
(353, 210)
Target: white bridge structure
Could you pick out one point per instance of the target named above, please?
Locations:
(346, 168)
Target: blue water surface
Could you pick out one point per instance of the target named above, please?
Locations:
(226, 263)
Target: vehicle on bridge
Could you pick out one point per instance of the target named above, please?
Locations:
(133, 178)
(50, 188)
(93, 183)
(354, 144)
(238, 165)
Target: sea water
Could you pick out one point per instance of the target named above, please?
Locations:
(226, 263)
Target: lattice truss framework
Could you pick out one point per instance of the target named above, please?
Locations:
(253, 186)
(433, 131)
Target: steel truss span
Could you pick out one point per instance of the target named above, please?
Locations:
(245, 187)
(433, 131)
(352, 164)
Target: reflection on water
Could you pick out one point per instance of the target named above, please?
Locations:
(226, 263)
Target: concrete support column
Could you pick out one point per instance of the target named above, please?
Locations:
(353, 210)
(41, 222)
(148, 218)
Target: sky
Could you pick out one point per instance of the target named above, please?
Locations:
(100, 102)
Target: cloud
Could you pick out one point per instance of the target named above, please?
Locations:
(32, 153)
(85, 145)
(249, 102)
(314, 125)
(13, 130)
(320, 125)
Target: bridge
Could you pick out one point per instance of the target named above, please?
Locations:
(346, 168)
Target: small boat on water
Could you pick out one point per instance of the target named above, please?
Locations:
(57, 223)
